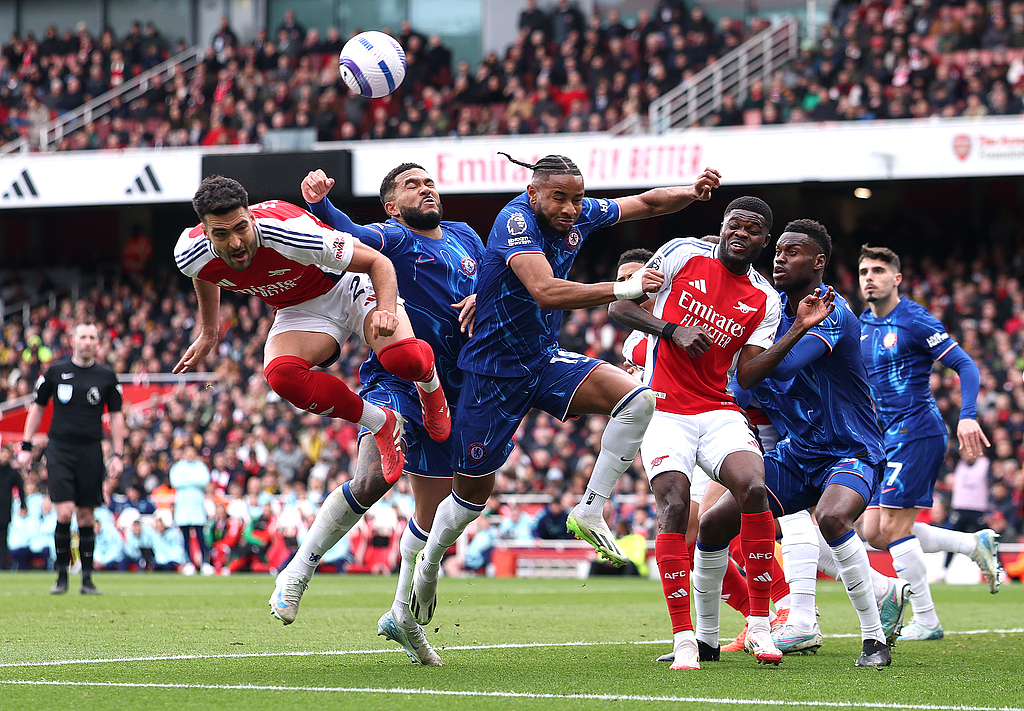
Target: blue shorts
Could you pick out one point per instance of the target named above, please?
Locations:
(491, 408)
(424, 456)
(911, 472)
(796, 484)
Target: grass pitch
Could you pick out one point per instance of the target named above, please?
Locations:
(163, 641)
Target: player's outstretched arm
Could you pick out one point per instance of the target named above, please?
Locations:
(662, 201)
(315, 187)
(692, 339)
(385, 283)
(553, 294)
(208, 296)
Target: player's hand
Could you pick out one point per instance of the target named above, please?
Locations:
(24, 458)
(651, 281)
(467, 314)
(195, 354)
(115, 468)
(708, 181)
(971, 437)
(815, 308)
(316, 185)
(383, 323)
(692, 339)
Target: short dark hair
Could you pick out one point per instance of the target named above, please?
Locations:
(882, 254)
(387, 186)
(816, 231)
(548, 166)
(218, 195)
(638, 254)
(753, 204)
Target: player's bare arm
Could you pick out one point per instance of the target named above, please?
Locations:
(316, 185)
(663, 201)
(692, 339)
(467, 314)
(555, 294)
(208, 296)
(381, 271)
(755, 363)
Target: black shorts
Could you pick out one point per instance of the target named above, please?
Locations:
(75, 472)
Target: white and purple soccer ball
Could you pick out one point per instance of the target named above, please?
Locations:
(372, 64)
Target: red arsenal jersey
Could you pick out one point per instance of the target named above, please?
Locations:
(297, 257)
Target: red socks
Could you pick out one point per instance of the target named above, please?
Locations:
(674, 568)
(757, 541)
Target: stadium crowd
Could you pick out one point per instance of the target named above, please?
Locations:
(564, 72)
(270, 465)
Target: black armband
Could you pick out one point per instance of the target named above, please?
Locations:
(26, 446)
(669, 329)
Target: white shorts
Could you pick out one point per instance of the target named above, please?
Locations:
(339, 313)
(698, 484)
(681, 443)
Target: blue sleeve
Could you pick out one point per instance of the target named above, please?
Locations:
(327, 213)
(742, 397)
(970, 380)
(514, 232)
(598, 213)
(930, 334)
(808, 349)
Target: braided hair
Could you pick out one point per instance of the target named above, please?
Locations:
(548, 166)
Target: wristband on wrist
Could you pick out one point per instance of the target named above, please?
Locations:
(669, 329)
(629, 289)
(26, 446)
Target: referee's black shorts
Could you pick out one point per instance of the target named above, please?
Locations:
(75, 472)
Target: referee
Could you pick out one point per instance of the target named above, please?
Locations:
(80, 388)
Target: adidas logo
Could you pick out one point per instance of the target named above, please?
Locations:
(699, 285)
(144, 183)
(764, 578)
(680, 593)
(226, 284)
(21, 187)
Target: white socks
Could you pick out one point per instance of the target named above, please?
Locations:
(855, 571)
(413, 541)
(453, 515)
(339, 513)
(706, 583)
(373, 417)
(619, 445)
(800, 551)
(908, 559)
(934, 539)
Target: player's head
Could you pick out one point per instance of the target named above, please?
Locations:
(408, 194)
(801, 254)
(879, 272)
(630, 261)
(746, 227)
(555, 191)
(85, 339)
(223, 206)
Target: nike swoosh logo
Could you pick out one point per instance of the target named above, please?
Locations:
(864, 336)
(854, 586)
(66, 376)
(423, 259)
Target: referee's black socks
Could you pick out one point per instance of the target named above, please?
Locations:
(62, 543)
(86, 544)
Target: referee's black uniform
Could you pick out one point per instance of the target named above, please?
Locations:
(74, 452)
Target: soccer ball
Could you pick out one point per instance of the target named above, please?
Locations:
(372, 64)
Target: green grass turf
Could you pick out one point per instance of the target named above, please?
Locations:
(161, 615)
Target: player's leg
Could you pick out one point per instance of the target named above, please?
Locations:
(718, 525)
(800, 631)
(609, 391)
(412, 359)
(982, 547)
(896, 527)
(340, 511)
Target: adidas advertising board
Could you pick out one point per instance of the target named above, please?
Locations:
(65, 179)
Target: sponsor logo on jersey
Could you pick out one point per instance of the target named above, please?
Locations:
(574, 238)
(476, 451)
(516, 224)
(519, 241)
(658, 460)
(468, 266)
(890, 339)
(64, 391)
(277, 272)
(603, 204)
(268, 289)
(721, 329)
(339, 246)
(225, 284)
(699, 285)
(93, 396)
(744, 308)
(936, 338)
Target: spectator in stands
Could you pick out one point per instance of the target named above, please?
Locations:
(189, 477)
(550, 524)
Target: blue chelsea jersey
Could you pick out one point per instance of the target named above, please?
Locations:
(826, 408)
(432, 275)
(899, 350)
(512, 333)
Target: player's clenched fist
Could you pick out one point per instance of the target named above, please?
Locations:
(316, 185)
(383, 323)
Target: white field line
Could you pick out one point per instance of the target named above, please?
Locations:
(332, 653)
(515, 695)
